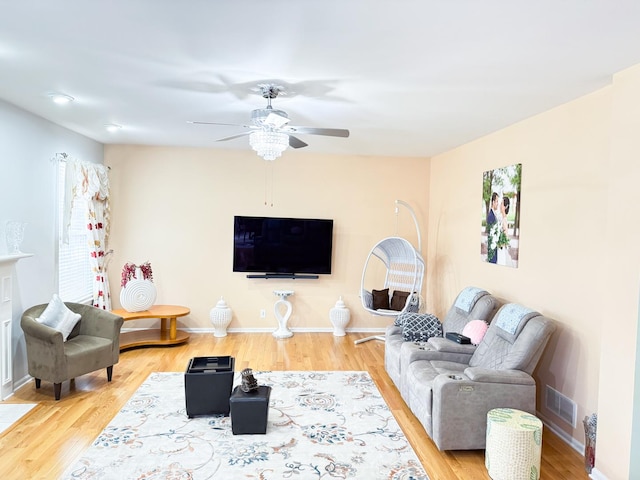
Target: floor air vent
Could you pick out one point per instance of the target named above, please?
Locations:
(562, 406)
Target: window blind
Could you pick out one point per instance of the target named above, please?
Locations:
(74, 269)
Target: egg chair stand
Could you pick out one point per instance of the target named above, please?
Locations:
(404, 272)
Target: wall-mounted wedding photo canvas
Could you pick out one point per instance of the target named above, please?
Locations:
(501, 216)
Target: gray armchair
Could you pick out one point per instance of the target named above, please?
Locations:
(451, 398)
(94, 343)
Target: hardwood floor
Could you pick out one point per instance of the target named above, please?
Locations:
(54, 434)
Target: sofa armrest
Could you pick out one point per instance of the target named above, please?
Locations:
(414, 351)
(442, 344)
(487, 375)
(460, 406)
(393, 330)
(100, 323)
(45, 349)
(42, 333)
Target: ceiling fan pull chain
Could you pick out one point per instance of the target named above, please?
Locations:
(271, 167)
(266, 166)
(268, 182)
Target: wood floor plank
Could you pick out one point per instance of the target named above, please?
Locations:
(55, 434)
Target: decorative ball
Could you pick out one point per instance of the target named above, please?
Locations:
(475, 330)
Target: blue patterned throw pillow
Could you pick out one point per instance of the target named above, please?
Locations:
(419, 327)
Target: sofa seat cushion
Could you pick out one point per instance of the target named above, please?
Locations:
(419, 378)
(86, 354)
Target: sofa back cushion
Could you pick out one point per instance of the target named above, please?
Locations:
(514, 341)
(472, 303)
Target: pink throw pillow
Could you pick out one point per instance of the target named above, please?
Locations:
(475, 330)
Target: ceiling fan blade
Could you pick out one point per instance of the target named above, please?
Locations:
(217, 123)
(233, 136)
(295, 142)
(330, 132)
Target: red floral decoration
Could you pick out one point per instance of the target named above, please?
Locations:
(129, 272)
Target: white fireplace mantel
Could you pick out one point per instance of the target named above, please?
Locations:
(6, 360)
(4, 258)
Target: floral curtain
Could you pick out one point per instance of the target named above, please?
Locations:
(92, 184)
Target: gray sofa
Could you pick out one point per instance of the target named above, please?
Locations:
(451, 396)
(471, 303)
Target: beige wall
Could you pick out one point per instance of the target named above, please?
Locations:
(175, 208)
(620, 321)
(563, 208)
(578, 259)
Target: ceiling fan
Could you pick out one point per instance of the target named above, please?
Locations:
(270, 133)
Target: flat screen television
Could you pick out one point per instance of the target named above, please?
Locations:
(285, 246)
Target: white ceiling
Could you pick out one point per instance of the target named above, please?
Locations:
(406, 77)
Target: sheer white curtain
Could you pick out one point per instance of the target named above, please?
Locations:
(91, 183)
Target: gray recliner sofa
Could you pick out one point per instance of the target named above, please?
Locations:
(451, 398)
(471, 303)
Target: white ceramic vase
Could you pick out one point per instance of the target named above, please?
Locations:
(339, 316)
(220, 317)
(138, 294)
(14, 234)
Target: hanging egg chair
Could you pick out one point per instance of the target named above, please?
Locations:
(402, 266)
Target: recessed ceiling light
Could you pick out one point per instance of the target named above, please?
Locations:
(112, 127)
(61, 98)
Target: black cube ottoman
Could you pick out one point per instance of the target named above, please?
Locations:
(249, 411)
(207, 385)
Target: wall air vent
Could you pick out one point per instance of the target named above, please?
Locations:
(562, 406)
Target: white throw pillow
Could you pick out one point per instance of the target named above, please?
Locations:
(58, 316)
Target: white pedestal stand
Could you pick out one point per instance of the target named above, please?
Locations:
(283, 331)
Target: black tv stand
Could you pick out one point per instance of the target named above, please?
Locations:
(292, 276)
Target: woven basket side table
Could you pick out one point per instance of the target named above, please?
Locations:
(514, 445)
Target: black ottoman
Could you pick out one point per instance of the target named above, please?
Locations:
(249, 411)
(207, 385)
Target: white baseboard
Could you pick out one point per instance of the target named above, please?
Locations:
(270, 329)
(23, 381)
(16, 385)
(569, 440)
(596, 475)
(572, 442)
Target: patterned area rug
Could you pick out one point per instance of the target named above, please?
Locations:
(321, 425)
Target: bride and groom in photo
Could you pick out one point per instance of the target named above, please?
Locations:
(498, 231)
(500, 234)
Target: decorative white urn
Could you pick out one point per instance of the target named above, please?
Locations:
(220, 316)
(339, 316)
(139, 294)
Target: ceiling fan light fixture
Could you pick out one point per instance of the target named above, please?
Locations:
(269, 145)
